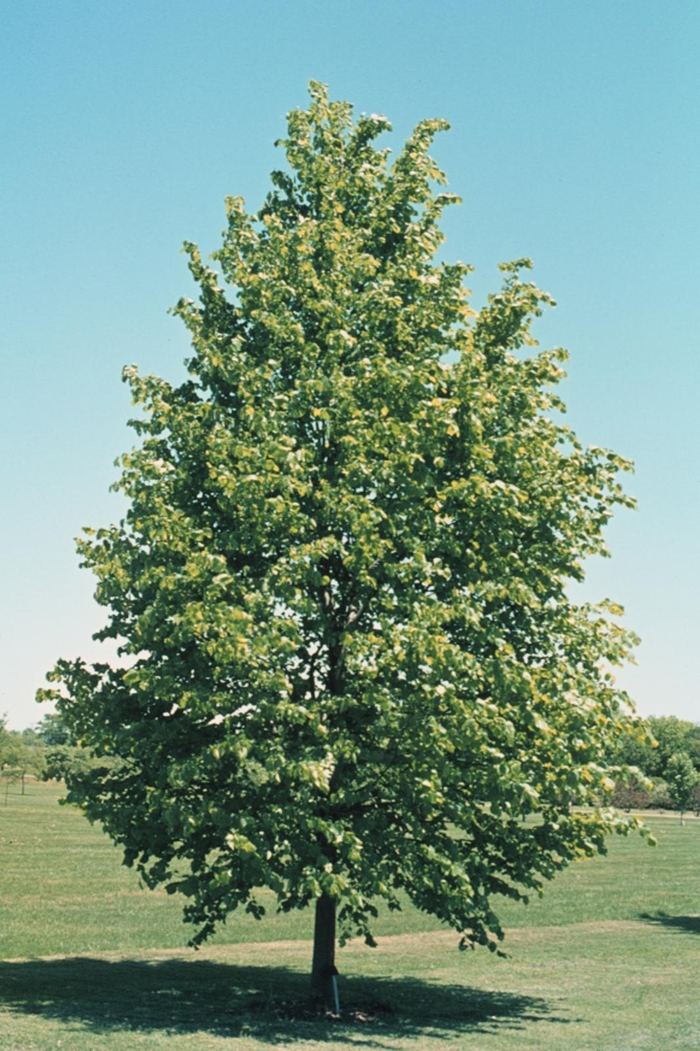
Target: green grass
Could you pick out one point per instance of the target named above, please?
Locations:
(605, 960)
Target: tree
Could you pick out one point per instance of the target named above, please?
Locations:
(682, 777)
(673, 735)
(650, 744)
(354, 670)
(20, 754)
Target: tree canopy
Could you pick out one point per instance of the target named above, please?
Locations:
(682, 779)
(650, 746)
(21, 753)
(352, 666)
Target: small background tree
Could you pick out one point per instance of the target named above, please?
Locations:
(354, 670)
(21, 754)
(682, 778)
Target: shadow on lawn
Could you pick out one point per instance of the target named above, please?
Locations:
(689, 924)
(178, 996)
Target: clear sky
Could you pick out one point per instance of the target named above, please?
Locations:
(574, 141)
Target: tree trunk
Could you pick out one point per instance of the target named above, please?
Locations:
(323, 968)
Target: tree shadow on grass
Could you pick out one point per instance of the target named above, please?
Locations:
(180, 996)
(688, 924)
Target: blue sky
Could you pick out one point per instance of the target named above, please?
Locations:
(574, 141)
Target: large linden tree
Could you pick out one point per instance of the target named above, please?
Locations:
(353, 671)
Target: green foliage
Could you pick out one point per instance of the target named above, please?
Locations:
(64, 754)
(341, 584)
(63, 761)
(673, 735)
(637, 747)
(4, 738)
(650, 746)
(682, 778)
(53, 731)
(21, 753)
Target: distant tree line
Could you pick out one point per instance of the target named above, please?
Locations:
(46, 752)
(666, 754)
(22, 755)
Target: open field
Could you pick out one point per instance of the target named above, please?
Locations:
(607, 960)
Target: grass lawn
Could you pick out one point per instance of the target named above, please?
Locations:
(88, 961)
